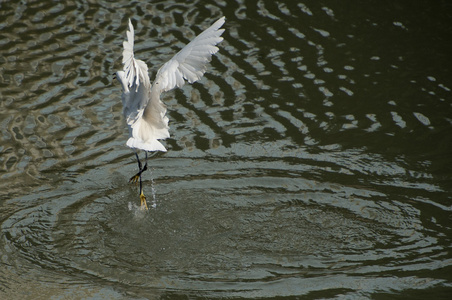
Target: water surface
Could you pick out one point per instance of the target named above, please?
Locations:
(312, 161)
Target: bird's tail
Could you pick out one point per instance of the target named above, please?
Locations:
(145, 134)
(150, 145)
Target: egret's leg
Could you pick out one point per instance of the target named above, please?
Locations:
(135, 178)
(142, 196)
(145, 162)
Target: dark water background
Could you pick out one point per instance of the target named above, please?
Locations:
(313, 161)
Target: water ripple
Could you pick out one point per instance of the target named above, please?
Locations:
(316, 147)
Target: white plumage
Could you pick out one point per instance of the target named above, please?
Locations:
(142, 107)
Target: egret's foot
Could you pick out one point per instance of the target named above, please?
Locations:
(144, 206)
(136, 178)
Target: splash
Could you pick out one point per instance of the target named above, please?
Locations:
(154, 199)
(139, 210)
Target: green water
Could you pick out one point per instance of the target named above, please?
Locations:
(313, 161)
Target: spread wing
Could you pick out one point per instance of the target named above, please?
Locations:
(134, 69)
(190, 63)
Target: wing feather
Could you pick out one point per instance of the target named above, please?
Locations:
(190, 63)
(136, 71)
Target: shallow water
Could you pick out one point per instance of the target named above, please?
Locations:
(312, 161)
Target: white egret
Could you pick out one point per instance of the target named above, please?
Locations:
(142, 107)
